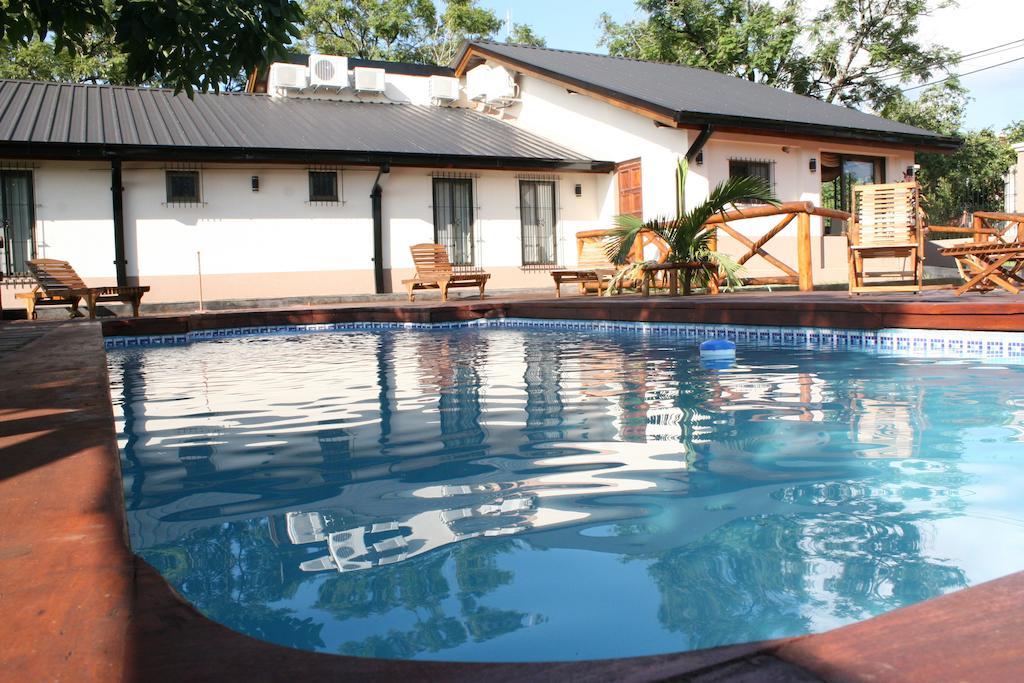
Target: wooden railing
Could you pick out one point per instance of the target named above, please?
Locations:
(801, 212)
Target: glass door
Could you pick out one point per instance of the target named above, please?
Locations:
(453, 218)
(839, 174)
(537, 215)
(17, 220)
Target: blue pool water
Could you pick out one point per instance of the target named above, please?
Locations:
(506, 494)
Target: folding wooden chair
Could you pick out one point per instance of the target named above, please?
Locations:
(887, 224)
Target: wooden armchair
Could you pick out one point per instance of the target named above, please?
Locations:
(887, 223)
(435, 271)
(59, 284)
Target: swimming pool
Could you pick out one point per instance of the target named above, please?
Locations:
(501, 494)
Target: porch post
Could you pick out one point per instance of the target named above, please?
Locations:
(117, 204)
(803, 251)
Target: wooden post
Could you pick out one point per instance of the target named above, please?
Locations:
(803, 251)
(977, 224)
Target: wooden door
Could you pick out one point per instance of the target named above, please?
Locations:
(631, 198)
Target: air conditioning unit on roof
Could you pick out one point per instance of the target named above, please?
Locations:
(328, 71)
(443, 88)
(288, 76)
(368, 79)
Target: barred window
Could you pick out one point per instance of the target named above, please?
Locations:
(453, 218)
(323, 186)
(753, 168)
(183, 187)
(537, 217)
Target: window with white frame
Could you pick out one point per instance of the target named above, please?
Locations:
(537, 218)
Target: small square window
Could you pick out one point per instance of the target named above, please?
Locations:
(323, 186)
(183, 187)
(745, 168)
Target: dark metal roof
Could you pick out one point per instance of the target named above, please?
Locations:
(699, 97)
(61, 120)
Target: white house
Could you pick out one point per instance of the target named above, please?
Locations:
(315, 183)
(1014, 203)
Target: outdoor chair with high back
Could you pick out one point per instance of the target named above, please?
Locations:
(887, 224)
(593, 266)
(991, 261)
(435, 271)
(59, 284)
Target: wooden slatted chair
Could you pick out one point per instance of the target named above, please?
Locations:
(593, 266)
(59, 284)
(886, 223)
(434, 271)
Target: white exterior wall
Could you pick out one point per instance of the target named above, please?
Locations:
(274, 243)
(409, 219)
(608, 133)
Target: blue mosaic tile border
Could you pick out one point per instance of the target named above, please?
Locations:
(911, 342)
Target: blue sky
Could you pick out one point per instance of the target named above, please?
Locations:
(998, 94)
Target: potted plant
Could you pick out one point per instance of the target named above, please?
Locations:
(687, 235)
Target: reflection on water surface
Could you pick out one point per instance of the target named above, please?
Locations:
(502, 494)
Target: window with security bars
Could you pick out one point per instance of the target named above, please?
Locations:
(453, 218)
(537, 216)
(17, 222)
(750, 168)
(323, 186)
(183, 187)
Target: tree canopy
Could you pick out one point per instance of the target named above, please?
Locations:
(400, 30)
(971, 179)
(187, 44)
(853, 52)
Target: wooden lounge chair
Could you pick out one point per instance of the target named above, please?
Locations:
(59, 284)
(990, 261)
(886, 223)
(593, 266)
(434, 271)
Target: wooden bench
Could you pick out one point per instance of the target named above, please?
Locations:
(435, 271)
(59, 284)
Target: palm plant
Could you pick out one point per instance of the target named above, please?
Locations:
(687, 235)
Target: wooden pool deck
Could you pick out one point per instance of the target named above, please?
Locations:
(76, 604)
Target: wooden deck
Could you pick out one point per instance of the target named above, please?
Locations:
(937, 309)
(78, 605)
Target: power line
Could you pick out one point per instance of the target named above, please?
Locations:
(987, 52)
(966, 73)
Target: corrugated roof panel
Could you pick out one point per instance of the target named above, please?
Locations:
(685, 90)
(114, 115)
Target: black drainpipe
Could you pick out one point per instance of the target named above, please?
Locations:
(117, 202)
(376, 197)
(698, 144)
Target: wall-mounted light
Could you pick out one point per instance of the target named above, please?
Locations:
(785, 149)
(579, 190)
(813, 165)
(255, 183)
(700, 158)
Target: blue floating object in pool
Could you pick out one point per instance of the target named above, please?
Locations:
(718, 348)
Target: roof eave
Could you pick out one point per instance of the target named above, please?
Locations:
(680, 118)
(927, 143)
(93, 152)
